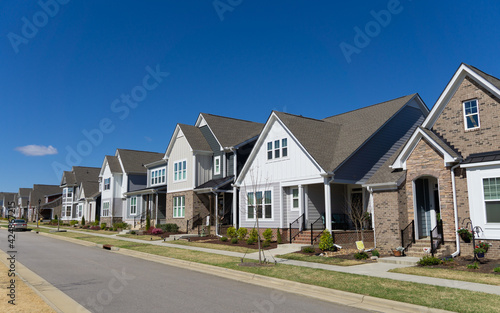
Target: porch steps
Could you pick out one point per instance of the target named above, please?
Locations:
(304, 237)
(417, 249)
(408, 260)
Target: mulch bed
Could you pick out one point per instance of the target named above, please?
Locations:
(460, 263)
(241, 243)
(347, 254)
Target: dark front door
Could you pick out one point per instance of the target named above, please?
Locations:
(423, 206)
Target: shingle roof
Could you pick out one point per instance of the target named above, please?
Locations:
(68, 178)
(493, 80)
(133, 161)
(385, 174)
(86, 174)
(216, 183)
(40, 191)
(114, 164)
(24, 192)
(195, 138)
(332, 140)
(439, 141)
(91, 189)
(482, 157)
(230, 131)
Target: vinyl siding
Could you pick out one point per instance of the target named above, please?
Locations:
(137, 182)
(180, 151)
(230, 164)
(315, 202)
(275, 222)
(203, 169)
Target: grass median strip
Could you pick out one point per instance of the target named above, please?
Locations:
(319, 259)
(213, 246)
(451, 299)
(480, 278)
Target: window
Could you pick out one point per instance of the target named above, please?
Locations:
(262, 207)
(179, 206)
(68, 192)
(67, 211)
(152, 177)
(295, 198)
(157, 176)
(80, 210)
(277, 149)
(217, 165)
(105, 209)
(163, 175)
(471, 114)
(133, 206)
(491, 188)
(107, 183)
(180, 171)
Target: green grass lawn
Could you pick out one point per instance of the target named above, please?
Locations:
(213, 246)
(451, 299)
(141, 237)
(481, 278)
(320, 259)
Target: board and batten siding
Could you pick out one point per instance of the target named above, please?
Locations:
(263, 223)
(180, 151)
(297, 165)
(139, 208)
(137, 182)
(203, 169)
(230, 164)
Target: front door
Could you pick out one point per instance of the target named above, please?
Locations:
(425, 201)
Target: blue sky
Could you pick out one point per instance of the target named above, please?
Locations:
(67, 70)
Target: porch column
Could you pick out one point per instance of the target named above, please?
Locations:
(301, 202)
(282, 210)
(235, 207)
(328, 204)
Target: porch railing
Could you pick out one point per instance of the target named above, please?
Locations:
(192, 222)
(140, 218)
(317, 225)
(297, 226)
(408, 235)
(437, 237)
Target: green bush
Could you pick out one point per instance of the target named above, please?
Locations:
(250, 241)
(429, 260)
(361, 256)
(326, 241)
(266, 244)
(132, 232)
(96, 223)
(242, 233)
(308, 250)
(73, 223)
(473, 266)
(268, 234)
(121, 225)
(496, 269)
(83, 220)
(278, 237)
(375, 253)
(103, 225)
(234, 240)
(231, 232)
(169, 228)
(223, 239)
(148, 223)
(254, 235)
(55, 217)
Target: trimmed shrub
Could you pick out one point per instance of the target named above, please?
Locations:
(121, 225)
(133, 232)
(103, 225)
(56, 218)
(169, 228)
(429, 260)
(278, 237)
(242, 233)
(73, 223)
(96, 223)
(234, 240)
(95, 228)
(326, 241)
(268, 234)
(266, 244)
(375, 253)
(308, 250)
(148, 224)
(250, 241)
(231, 232)
(83, 221)
(156, 231)
(254, 235)
(224, 239)
(496, 270)
(361, 256)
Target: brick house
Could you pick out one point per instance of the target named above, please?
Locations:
(449, 170)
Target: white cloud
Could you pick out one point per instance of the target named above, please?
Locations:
(35, 150)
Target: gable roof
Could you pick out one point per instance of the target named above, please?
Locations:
(195, 138)
(113, 163)
(133, 161)
(230, 131)
(24, 192)
(90, 189)
(493, 80)
(40, 191)
(79, 174)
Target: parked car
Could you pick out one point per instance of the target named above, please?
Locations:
(19, 224)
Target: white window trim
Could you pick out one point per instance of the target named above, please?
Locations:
(485, 216)
(255, 211)
(130, 206)
(80, 211)
(104, 184)
(465, 116)
(173, 171)
(217, 172)
(175, 208)
(159, 173)
(280, 149)
(109, 209)
(292, 198)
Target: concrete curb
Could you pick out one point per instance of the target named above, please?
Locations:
(55, 298)
(321, 293)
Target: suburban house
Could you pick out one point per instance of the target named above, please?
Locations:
(308, 173)
(89, 200)
(150, 201)
(447, 175)
(74, 206)
(119, 175)
(45, 201)
(7, 200)
(23, 203)
(203, 161)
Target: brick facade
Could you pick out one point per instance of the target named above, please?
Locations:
(387, 219)
(194, 204)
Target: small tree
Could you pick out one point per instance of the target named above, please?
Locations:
(354, 209)
(326, 241)
(278, 237)
(148, 223)
(83, 220)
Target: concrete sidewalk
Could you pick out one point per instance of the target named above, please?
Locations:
(376, 269)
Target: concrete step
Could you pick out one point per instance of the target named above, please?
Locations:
(405, 260)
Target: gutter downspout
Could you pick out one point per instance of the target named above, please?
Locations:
(216, 214)
(455, 210)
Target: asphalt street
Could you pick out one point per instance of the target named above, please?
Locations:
(103, 281)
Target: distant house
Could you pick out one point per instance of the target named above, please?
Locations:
(45, 201)
(7, 200)
(448, 171)
(23, 203)
(89, 200)
(203, 161)
(305, 171)
(119, 175)
(74, 205)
